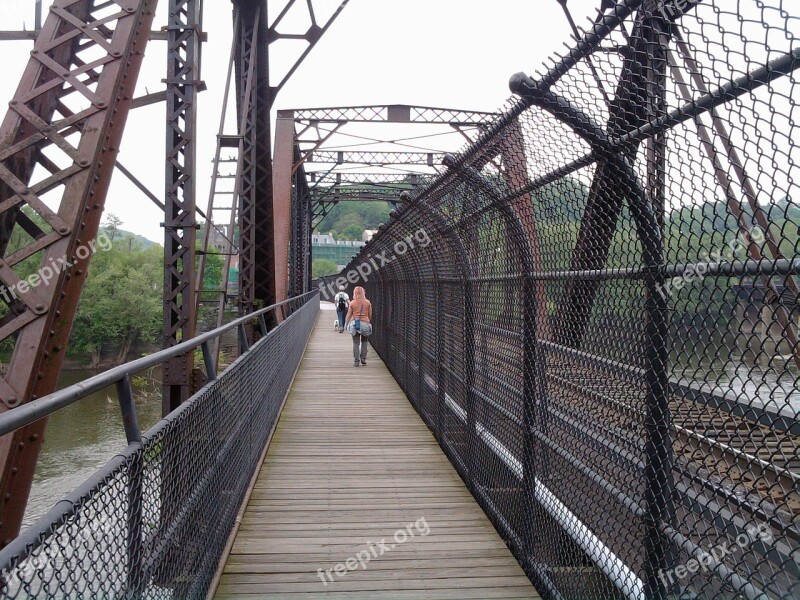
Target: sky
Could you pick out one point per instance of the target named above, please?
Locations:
(442, 53)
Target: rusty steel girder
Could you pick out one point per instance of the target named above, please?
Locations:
(58, 142)
(183, 71)
(265, 228)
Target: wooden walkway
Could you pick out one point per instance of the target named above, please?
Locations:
(352, 465)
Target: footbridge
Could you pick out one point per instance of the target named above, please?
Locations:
(583, 377)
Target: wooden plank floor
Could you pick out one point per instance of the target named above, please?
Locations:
(349, 466)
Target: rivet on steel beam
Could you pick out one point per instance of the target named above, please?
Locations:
(21, 445)
(83, 162)
(33, 437)
(56, 348)
(116, 54)
(40, 308)
(64, 230)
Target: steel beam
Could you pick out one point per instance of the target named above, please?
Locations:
(246, 20)
(53, 107)
(282, 203)
(341, 157)
(183, 70)
(391, 113)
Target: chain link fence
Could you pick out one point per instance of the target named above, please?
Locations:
(154, 522)
(595, 308)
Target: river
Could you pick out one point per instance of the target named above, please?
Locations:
(84, 436)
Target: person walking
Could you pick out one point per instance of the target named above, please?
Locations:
(360, 313)
(342, 302)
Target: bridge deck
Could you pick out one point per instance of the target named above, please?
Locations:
(350, 465)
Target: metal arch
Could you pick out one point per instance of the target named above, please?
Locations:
(86, 140)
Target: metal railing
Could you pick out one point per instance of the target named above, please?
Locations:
(595, 307)
(154, 521)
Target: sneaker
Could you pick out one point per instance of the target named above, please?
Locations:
(355, 364)
(363, 362)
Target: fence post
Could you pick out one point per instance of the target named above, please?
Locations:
(133, 434)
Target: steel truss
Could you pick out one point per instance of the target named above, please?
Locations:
(183, 74)
(308, 137)
(59, 141)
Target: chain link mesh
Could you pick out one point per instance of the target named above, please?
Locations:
(153, 523)
(595, 309)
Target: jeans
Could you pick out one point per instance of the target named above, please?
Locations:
(362, 339)
(341, 314)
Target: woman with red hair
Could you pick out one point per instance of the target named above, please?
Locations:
(360, 313)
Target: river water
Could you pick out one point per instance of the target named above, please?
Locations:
(84, 436)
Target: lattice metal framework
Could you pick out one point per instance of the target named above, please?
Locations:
(58, 143)
(313, 137)
(264, 221)
(601, 333)
(183, 75)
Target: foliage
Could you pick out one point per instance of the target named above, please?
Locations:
(212, 272)
(121, 302)
(345, 217)
(322, 266)
(351, 232)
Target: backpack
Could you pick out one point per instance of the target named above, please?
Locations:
(342, 303)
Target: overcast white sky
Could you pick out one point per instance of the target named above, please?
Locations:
(444, 53)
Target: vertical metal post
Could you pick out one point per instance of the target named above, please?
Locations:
(183, 69)
(209, 360)
(135, 479)
(281, 195)
(37, 18)
(244, 345)
(257, 250)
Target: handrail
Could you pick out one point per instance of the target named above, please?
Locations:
(45, 406)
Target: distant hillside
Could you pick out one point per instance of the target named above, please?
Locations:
(348, 220)
(117, 235)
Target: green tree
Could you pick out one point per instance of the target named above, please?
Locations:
(351, 232)
(121, 302)
(322, 266)
(112, 225)
(212, 272)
